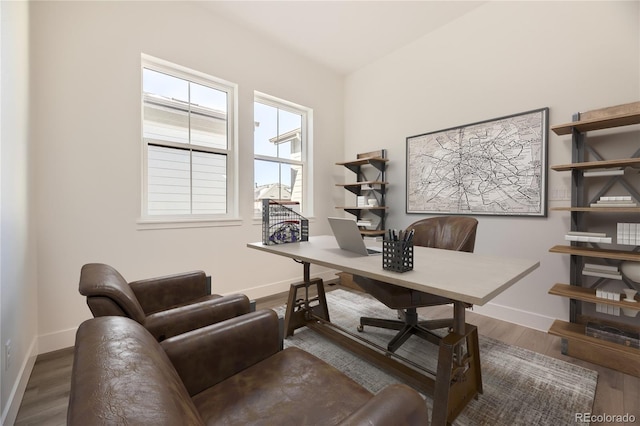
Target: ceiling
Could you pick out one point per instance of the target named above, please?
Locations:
(342, 35)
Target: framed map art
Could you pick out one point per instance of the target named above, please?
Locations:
(494, 167)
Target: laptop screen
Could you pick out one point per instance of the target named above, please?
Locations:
(348, 236)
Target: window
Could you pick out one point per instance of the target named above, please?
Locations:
(189, 143)
(281, 152)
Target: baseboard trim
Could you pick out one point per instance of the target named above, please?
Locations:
(17, 391)
(58, 340)
(516, 316)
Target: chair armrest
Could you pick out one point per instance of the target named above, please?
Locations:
(157, 294)
(169, 323)
(396, 404)
(207, 356)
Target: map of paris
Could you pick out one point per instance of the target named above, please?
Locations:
(495, 167)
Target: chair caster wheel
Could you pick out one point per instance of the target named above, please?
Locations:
(360, 328)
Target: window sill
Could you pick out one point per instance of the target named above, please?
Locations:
(149, 223)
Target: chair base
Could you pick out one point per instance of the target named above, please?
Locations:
(407, 326)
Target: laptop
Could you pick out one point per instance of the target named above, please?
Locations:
(348, 236)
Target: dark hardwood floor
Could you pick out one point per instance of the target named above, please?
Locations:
(46, 397)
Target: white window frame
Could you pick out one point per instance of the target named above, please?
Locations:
(307, 146)
(231, 217)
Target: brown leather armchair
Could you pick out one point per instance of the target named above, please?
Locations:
(443, 232)
(166, 306)
(229, 373)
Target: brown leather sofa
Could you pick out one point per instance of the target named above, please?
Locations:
(229, 373)
(166, 306)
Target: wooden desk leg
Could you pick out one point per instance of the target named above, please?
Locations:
(299, 310)
(458, 376)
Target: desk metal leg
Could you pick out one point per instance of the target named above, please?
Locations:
(458, 377)
(459, 317)
(299, 310)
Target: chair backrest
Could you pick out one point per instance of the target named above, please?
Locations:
(108, 293)
(446, 232)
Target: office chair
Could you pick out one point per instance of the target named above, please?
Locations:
(443, 232)
(166, 306)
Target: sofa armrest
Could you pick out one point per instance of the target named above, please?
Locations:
(207, 356)
(156, 294)
(121, 376)
(396, 404)
(169, 323)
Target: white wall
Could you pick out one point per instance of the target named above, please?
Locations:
(86, 133)
(18, 308)
(501, 58)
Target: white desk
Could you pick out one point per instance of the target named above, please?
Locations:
(464, 278)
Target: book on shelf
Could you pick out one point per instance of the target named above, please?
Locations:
(604, 172)
(611, 295)
(588, 239)
(597, 267)
(615, 201)
(616, 198)
(613, 204)
(602, 274)
(606, 308)
(587, 234)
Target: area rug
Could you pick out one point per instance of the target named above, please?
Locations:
(521, 387)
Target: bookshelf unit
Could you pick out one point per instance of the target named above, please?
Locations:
(370, 184)
(582, 290)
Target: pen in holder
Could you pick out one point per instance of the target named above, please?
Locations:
(397, 255)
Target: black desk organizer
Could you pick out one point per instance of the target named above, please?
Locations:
(281, 225)
(397, 256)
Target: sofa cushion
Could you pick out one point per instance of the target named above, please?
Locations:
(121, 375)
(160, 293)
(287, 386)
